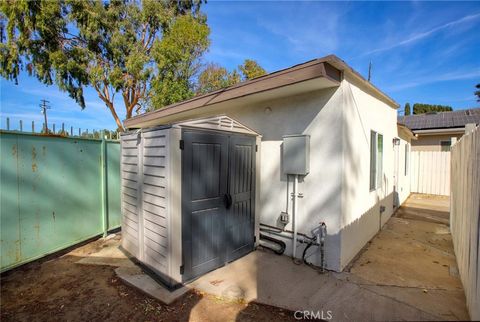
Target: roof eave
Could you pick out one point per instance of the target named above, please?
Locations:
(345, 68)
(451, 130)
(330, 68)
(277, 80)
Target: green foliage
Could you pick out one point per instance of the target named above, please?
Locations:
(251, 69)
(214, 76)
(477, 92)
(114, 46)
(234, 77)
(419, 108)
(177, 60)
(407, 109)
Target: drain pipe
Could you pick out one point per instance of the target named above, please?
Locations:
(294, 214)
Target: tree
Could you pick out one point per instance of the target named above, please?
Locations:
(177, 61)
(419, 108)
(407, 109)
(214, 76)
(146, 51)
(251, 69)
(477, 92)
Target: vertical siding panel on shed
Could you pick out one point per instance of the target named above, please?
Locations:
(129, 170)
(155, 200)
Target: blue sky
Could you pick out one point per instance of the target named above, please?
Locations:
(426, 52)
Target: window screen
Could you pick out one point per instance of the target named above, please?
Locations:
(373, 158)
(376, 160)
(379, 160)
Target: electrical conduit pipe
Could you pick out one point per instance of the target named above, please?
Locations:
(294, 215)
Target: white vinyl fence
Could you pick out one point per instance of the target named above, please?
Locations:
(464, 216)
(430, 172)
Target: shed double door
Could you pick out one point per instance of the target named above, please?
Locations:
(218, 172)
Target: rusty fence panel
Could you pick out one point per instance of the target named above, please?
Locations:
(55, 192)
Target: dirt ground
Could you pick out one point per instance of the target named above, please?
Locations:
(59, 289)
(406, 272)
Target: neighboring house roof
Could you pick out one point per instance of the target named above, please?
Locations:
(441, 120)
(329, 68)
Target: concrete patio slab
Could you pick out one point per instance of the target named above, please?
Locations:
(108, 255)
(404, 273)
(135, 277)
(275, 280)
(106, 261)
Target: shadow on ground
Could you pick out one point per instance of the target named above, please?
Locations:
(407, 272)
(62, 289)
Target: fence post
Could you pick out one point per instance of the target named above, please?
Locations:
(33, 126)
(21, 126)
(104, 185)
(8, 123)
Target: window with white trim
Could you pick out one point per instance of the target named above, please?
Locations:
(376, 160)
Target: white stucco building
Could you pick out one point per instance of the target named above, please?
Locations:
(358, 156)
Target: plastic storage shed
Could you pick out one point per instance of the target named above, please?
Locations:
(189, 196)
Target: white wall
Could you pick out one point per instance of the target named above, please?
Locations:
(361, 218)
(318, 114)
(432, 142)
(403, 180)
(336, 191)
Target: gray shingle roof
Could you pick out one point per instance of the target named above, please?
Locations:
(441, 120)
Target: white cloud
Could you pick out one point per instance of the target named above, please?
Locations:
(425, 34)
(452, 76)
(307, 33)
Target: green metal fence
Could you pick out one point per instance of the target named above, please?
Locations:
(55, 192)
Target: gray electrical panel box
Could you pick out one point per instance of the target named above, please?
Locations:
(296, 154)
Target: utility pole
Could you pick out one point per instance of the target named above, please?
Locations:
(369, 70)
(44, 107)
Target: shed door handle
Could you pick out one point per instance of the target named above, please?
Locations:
(227, 199)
